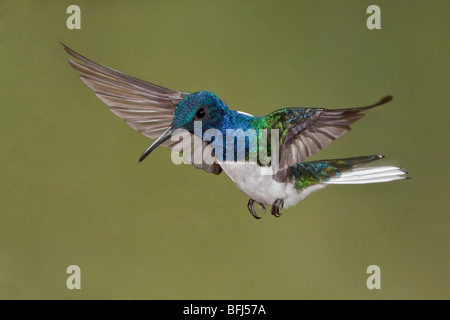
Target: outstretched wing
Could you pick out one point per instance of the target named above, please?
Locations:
(305, 131)
(145, 107)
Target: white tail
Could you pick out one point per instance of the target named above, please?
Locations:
(369, 175)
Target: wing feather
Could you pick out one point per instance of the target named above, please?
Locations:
(145, 107)
(308, 130)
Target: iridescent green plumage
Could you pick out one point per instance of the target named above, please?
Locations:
(282, 120)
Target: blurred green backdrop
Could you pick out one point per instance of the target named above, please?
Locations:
(71, 191)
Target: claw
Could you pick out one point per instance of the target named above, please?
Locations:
(276, 206)
(261, 206)
(252, 209)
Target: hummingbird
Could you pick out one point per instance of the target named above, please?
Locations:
(158, 113)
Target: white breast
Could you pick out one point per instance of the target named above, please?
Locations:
(250, 178)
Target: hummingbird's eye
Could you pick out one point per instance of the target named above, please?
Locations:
(200, 113)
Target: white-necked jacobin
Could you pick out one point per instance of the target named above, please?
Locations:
(158, 112)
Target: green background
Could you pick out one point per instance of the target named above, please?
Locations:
(71, 191)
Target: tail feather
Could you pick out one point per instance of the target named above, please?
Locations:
(343, 171)
(369, 175)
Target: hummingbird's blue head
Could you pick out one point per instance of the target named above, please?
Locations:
(199, 106)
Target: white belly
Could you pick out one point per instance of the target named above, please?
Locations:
(263, 188)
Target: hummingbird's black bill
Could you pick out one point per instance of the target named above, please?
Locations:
(166, 135)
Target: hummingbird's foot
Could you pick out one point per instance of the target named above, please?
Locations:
(261, 206)
(252, 209)
(276, 206)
